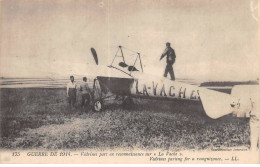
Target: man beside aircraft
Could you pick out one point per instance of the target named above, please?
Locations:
(71, 91)
(85, 93)
(170, 59)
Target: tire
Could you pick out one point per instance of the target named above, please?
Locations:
(97, 92)
(98, 105)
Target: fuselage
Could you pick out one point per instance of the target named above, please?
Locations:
(143, 85)
(160, 87)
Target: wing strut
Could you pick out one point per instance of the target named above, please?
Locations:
(140, 62)
(122, 53)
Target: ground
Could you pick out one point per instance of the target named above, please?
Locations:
(39, 118)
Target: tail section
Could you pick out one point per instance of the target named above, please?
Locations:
(243, 99)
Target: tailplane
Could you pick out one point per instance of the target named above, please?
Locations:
(241, 102)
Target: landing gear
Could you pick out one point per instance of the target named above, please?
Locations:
(101, 96)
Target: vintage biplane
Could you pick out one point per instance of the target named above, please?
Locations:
(135, 83)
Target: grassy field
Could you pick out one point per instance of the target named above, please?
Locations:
(40, 118)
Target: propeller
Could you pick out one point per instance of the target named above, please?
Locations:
(94, 53)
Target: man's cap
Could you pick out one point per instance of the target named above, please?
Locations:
(71, 76)
(84, 78)
(168, 44)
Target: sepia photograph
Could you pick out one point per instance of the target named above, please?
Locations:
(129, 81)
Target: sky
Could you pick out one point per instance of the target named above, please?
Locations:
(213, 40)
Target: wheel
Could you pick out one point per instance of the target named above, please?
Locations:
(97, 105)
(97, 95)
(97, 92)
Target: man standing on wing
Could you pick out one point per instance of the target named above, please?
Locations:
(170, 59)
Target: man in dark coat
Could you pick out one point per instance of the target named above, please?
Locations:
(170, 59)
